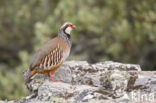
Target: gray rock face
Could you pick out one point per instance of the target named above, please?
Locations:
(104, 82)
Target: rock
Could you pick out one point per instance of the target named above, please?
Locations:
(103, 82)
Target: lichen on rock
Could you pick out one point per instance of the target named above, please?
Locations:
(108, 82)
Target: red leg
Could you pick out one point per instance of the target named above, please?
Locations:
(51, 77)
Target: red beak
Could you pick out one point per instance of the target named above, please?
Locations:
(73, 26)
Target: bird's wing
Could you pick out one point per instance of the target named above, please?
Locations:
(48, 55)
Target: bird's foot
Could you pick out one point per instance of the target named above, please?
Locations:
(52, 79)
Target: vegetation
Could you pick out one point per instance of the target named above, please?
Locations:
(118, 30)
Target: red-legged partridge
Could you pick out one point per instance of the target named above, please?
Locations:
(51, 55)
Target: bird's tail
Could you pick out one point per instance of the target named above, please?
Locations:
(31, 73)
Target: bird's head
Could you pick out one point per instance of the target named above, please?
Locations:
(67, 27)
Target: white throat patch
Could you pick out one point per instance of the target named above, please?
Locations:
(68, 30)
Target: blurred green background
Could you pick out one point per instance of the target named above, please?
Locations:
(117, 30)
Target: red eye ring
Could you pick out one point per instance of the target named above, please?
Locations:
(68, 25)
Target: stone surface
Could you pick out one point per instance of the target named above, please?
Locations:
(103, 82)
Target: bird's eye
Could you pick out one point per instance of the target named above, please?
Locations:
(68, 25)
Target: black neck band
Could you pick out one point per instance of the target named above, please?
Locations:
(68, 35)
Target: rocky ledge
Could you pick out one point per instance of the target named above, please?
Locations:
(103, 82)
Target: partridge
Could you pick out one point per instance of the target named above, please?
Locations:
(51, 55)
